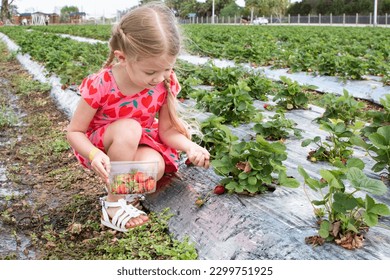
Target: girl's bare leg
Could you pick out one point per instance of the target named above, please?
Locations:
(121, 141)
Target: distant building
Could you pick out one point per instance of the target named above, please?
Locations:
(37, 18)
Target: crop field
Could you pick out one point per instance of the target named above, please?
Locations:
(299, 167)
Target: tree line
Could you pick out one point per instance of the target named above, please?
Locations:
(338, 7)
(278, 8)
(203, 8)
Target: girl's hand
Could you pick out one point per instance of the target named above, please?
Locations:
(101, 165)
(199, 156)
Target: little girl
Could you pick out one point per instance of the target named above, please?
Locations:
(116, 118)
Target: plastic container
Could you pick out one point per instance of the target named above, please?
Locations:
(133, 177)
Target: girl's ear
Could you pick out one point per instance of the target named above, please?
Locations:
(120, 56)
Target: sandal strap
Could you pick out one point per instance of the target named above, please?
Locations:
(122, 215)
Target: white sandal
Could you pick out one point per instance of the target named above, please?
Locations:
(133, 199)
(122, 216)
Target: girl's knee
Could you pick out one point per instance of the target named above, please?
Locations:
(128, 125)
(146, 153)
(124, 131)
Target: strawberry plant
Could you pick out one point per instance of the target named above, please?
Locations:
(338, 146)
(277, 128)
(378, 148)
(291, 95)
(187, 87)
(216, 137)
(250, 167)
(234, 103)
(343, 215)
(344, 107)
(378, 118)
(260, 87)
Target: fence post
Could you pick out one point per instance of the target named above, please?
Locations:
(299, 18)
(343, 19)
(386, 18)
(357, 18)
(308, 18)
(331, 18)
(289, 18)
(319, 18)
(271, 19)
(370, 18)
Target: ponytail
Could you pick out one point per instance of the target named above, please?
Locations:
(179, 124)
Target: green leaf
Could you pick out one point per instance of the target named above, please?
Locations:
(385, 132)
(381, 138)
(352, 227)
(370, 219)
(331, 179)
(233, 186)
(361, 182)
(380, 209)
(306, 142)
(287, 182)
(252, 180)
(355, 140)
(355, 162)
(242, 175)
(343, 202)
(324, 229)
(318, 202)
(303, 172)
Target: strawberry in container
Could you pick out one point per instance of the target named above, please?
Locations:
(133, 177)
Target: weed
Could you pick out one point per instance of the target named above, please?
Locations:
(8, 118)
(27, 86)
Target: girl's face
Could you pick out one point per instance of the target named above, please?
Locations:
(149, 72)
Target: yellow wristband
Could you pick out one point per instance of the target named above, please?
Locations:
(92, 153)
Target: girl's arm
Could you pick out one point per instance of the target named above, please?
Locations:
(174, 139)
(79, 141)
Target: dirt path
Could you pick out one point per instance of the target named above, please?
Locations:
(40, 177)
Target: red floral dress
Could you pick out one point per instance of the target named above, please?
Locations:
(101, 92)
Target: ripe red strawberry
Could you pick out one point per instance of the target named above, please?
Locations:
(150, 184)
(121, 189)
(265, 105)
(188, 162)
(140, 177)
(219, 189)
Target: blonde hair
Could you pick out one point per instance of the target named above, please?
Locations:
(149, 31)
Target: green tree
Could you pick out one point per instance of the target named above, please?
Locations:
(302, 8)
(276, 8)
(66, 11)
(231, 10)
(384, 7)
(5, 13)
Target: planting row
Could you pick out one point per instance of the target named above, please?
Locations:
(349, 53)
(346, 52)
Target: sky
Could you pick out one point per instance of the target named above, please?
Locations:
(92, 8)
